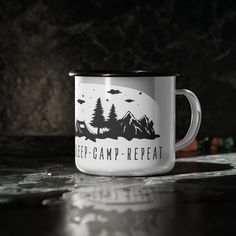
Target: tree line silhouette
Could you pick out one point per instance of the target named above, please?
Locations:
(98, 120)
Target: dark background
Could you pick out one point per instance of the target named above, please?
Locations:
(40, 41)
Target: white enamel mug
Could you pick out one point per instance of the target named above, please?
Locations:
(125, 122)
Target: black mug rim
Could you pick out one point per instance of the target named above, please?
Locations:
(121, 73)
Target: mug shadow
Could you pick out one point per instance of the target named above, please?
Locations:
(196, 167)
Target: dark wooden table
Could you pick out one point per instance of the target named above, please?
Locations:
(42, 193)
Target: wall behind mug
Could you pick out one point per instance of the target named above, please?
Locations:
(40, 41)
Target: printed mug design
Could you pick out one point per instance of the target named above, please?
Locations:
(116, 124)
(127, 127)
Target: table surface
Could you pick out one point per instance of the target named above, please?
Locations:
(42, 193)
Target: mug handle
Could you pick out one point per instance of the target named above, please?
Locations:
(196, 116)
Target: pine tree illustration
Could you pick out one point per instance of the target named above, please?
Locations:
(98, 119)
(112, 118)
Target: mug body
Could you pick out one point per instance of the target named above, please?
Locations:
(124, 124)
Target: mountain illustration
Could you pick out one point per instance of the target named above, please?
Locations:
(128, 126)
(147, 125)
(142, 128)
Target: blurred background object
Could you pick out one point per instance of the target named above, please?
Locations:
(40, 41)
